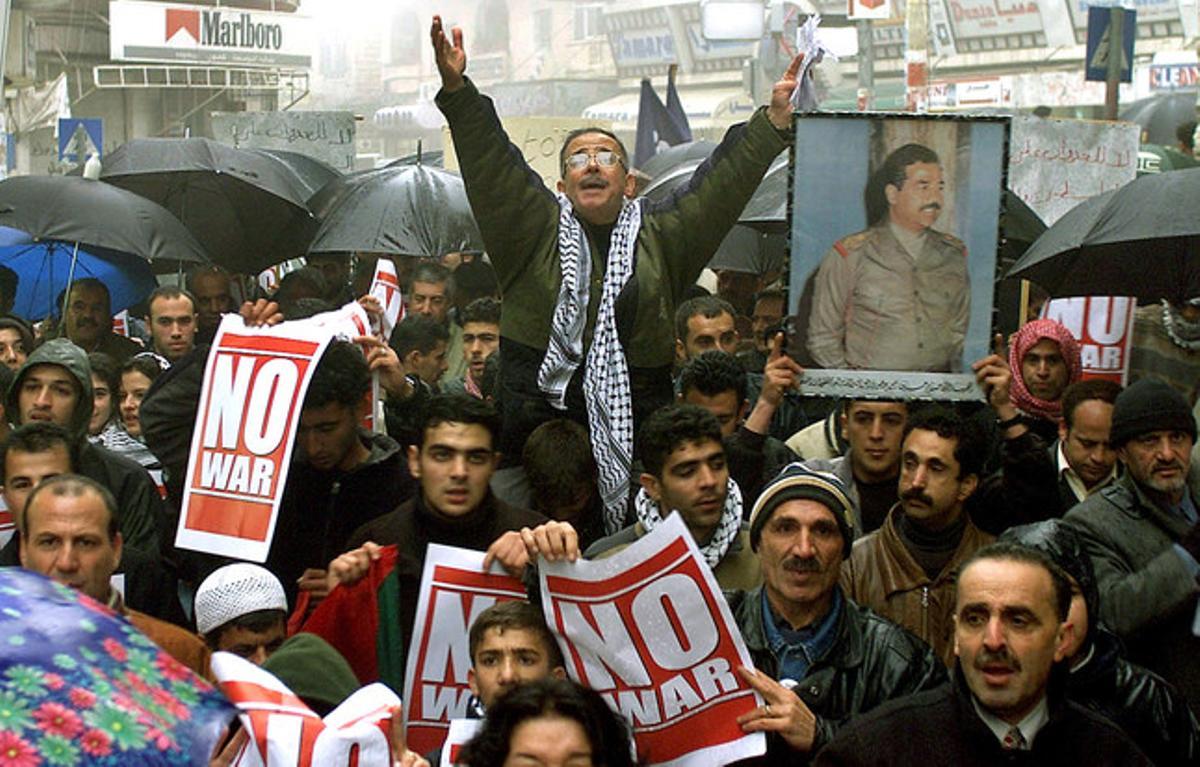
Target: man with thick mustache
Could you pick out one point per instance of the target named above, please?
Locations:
(832, 658)
(906, 571)
(1011, 635)
(1143, 534)
(590, 276)
(895, 296)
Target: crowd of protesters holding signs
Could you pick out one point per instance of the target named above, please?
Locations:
(544, 505)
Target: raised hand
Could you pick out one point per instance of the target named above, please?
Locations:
(451, 58)
(780, 110)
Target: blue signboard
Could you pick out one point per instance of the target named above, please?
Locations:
(1098, 30)
(79, 137)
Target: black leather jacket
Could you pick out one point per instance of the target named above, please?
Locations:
(871, 661)
(1146, 706)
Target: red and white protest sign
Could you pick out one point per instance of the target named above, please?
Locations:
(254, 385)
(649, 630)
(454, 590)
(1103, 326)
(120, 323)
(284, 732)
(386, 287)
(461, 731)
(8, 525)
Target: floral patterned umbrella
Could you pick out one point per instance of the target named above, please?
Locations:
(81, 686)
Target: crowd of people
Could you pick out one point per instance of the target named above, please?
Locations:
(915, 582)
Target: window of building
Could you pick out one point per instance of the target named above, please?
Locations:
(589, 21)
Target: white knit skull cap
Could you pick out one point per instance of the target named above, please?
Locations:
(235, 590)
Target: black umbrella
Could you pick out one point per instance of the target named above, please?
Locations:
(434, 159)
(246, 209)
(1140, 240)
(409, 210)
(309, 172)
(671, 156)
(767, 208)
(80, 228)
(1020, 227)
(1160, 115)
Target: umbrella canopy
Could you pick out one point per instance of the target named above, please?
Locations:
(43, 270)
(751, 251)
(309, 172)
(81, 686)
(434, 159)
(767, 208)
(409, 210)
(1153, 158)
(671, 156)
(1160, 115)
(245, 208)
(1140, 240)
(97, 215)
(1020, 227)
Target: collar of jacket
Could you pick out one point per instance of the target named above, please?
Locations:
(1138, 504)
(845, 651)
(899, 572)
(1056, 702)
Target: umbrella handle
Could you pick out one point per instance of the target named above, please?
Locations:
(70, 281)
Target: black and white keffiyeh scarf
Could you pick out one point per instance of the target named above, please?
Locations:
(605, 372)
(649, 513)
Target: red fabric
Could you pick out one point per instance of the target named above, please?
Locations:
(1025, 339)
(348, 618)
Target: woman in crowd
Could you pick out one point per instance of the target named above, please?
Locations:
(551, 723)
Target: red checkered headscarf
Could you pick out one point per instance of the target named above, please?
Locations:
(1024, 340)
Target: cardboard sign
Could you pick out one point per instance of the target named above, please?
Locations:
(649, 630)
(461, 731)
(284, 732)
(385, 286)
(1103, 326)
(254, 385)
(454, 590)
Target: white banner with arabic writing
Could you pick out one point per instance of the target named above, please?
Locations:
(1053, 165)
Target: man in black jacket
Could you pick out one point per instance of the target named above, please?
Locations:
(55, 385)
(834, 660)
(1145, 705)
(1011, 634)
(342, 476)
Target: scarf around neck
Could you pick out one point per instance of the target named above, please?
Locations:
(606, 372)
(649, 513)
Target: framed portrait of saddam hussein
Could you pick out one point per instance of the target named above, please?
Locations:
(894, 227)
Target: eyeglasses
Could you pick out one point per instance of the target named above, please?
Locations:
(605, 158)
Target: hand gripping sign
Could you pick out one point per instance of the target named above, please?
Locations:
(284, 732)
(454, 590)
(386, 287)
(649, 630)
(254, 385)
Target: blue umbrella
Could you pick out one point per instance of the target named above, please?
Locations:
(44, 267)
(73, 224)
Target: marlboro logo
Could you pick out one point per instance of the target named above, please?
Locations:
(218, 29)
(188, 21)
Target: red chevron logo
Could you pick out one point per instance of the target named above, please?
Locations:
(188, 21)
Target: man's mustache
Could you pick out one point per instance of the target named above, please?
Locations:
(593, 181)
(916, 494)
(802, 565)
(1002, 658)
(932, 206)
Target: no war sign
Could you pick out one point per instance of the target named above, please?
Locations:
(254, 384)
(1103, 326)
(284, 732)
(454, 590)
(649, 629)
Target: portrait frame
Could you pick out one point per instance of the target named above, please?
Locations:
(857, 327)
